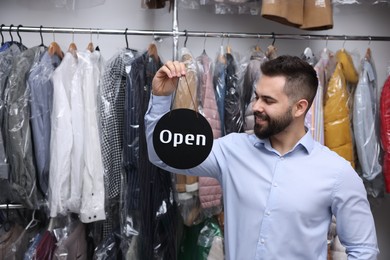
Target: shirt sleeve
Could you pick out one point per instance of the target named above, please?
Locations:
(354, 221)
(158, 106)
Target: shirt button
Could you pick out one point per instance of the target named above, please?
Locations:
(275, 184)
(268, 213)
(262, 241)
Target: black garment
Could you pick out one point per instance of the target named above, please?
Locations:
(233, 116)
(18, 140)
(157, 209)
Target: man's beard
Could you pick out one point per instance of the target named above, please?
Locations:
(274, 126)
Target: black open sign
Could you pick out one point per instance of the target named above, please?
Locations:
(183, 138)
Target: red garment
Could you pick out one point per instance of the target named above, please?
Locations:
(385, 131)
(46, 247)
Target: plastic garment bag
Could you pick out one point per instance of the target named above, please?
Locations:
(365, 123)
(220, 86)
(252, 74)
(338, 129)
(41, 103)
(19, 147)
(233, 118)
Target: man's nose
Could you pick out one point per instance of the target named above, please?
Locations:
(257, 105)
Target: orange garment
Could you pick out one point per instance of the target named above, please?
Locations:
(338, 129)
(304, 14)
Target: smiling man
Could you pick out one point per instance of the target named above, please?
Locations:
(280, 187)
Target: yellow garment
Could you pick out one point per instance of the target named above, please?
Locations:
(338, 130)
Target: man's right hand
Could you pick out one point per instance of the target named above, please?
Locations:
(165, 81)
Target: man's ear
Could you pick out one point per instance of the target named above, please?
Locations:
(300, 107)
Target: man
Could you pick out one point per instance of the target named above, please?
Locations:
(280, 187)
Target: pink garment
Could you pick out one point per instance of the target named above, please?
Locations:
(209, 189)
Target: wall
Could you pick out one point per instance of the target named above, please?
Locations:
(363, 19)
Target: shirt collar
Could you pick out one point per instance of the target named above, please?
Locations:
(306, 142)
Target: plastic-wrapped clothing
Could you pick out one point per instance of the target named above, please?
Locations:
(65, 149)
(220, 86)
(210, 192)
(365, 125)
(186, 96)
(208, 103)
(158, 210)
(73, 245)
(76, 168)
(385, 131)
(304, 14)
(93, 193)
(41, 104)
(46, 246)
(19, 148)
(112, 100)
(112, 115)
(337, 123)
(197, 241)
(6, 58)
(233, 117)
(252, 74)
(314, 118)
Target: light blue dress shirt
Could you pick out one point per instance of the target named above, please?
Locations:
(280, 207)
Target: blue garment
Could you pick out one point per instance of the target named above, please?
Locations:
(365, 125)
(280, 207)
(41, 104)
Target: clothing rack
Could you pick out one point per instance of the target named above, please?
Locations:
(156, 33)
(175, 33)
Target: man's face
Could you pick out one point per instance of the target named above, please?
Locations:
(272, 109)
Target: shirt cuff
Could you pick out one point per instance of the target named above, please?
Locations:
(159, 105)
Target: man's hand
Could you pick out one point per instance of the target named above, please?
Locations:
(165, 81)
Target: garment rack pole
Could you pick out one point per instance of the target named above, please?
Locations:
(174, 32)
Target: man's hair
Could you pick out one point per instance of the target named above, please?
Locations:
(301, 78)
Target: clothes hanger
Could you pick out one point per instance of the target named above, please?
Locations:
(17, 32)
(2, 36)
(204, 44)
(72, 47)
(90, 44)
(7, 223)
(97, 45)
(54, 48)
(271, 49)
(33, 221)
(367, 56)
(228, 47)
(186, 39)
(10, 34)
(257, 47)
(152, 51)
(40, 34)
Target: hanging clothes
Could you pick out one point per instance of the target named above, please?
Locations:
(219, 84)
(385, 131)
(233, 118)
(112, 113)
(66, 140)
(365, 125)
(210, 192)
(186, 96)
(314, 118)
(157, 210)
(6, 57)
(41, 104)
(76, 167)
(337, 122)
(304, 14)
(252, 74)
(18, 139)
